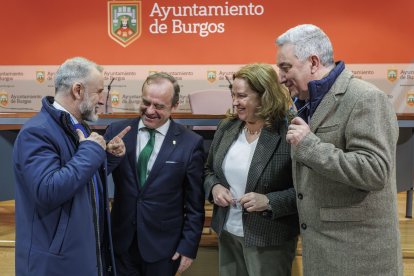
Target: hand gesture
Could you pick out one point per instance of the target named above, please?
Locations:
(297, 130)
(221, 195)
(95, 137)
(254, 202)
(116, 146)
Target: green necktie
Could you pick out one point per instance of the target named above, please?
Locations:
(144, 157)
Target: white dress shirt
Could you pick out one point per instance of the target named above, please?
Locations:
(143, 137)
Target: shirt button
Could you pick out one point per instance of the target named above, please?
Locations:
(303, 226)
(300, 196)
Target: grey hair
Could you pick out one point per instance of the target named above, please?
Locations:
(308, 40)
(77, 69)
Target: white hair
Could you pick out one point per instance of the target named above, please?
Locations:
(308, 40)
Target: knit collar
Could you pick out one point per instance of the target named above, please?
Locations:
(319, 88)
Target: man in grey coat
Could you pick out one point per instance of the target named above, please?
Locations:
(343, 150)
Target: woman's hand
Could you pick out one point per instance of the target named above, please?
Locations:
(254, 202)
(221, 195)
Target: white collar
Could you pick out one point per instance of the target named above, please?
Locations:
(60, 107)
(162, 129)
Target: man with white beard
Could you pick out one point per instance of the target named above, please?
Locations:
(62, 212)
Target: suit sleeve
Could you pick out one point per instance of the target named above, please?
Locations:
(211, 178)
(367, 161)
(283, 203)
(194, 203)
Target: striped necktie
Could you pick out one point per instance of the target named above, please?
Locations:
(144, 156)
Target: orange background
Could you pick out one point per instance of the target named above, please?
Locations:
(46, 32)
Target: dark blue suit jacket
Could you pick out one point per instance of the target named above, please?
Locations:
(168, 212)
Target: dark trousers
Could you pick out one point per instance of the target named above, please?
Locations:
(131, 263)
(235, 259)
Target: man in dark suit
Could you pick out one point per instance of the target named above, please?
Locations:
(158, 209)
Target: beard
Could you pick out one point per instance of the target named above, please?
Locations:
(87, 110)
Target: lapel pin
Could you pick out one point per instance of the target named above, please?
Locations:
(174, 142)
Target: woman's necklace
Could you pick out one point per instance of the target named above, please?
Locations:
(257, 132)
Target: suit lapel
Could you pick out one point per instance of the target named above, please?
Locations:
(266, 146)
(323, 110)
(229, 136)
(130, 141)
(330, 101)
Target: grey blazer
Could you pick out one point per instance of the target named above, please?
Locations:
(344, 175)
(270, 173)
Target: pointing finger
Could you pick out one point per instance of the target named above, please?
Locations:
(123, 132)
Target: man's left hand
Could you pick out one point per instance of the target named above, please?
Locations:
(184, 263)
(116, 146)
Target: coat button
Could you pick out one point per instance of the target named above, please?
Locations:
(300, 196)
(303, 226)
(265, 214)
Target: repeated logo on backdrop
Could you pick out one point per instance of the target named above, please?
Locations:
(114, 98)
(392, 75)
(410, 98)
(40, 76)
(211, 75)
(4, 98)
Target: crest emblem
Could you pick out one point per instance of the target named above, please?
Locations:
(211, 76)
(4, 98)
(392, 75)
(40, 76)
(114, 98)
(410, 99)
(124, 21)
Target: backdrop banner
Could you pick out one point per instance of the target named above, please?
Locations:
(22, 87)
(197, 41)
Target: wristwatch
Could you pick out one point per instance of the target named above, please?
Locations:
(269, 207)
